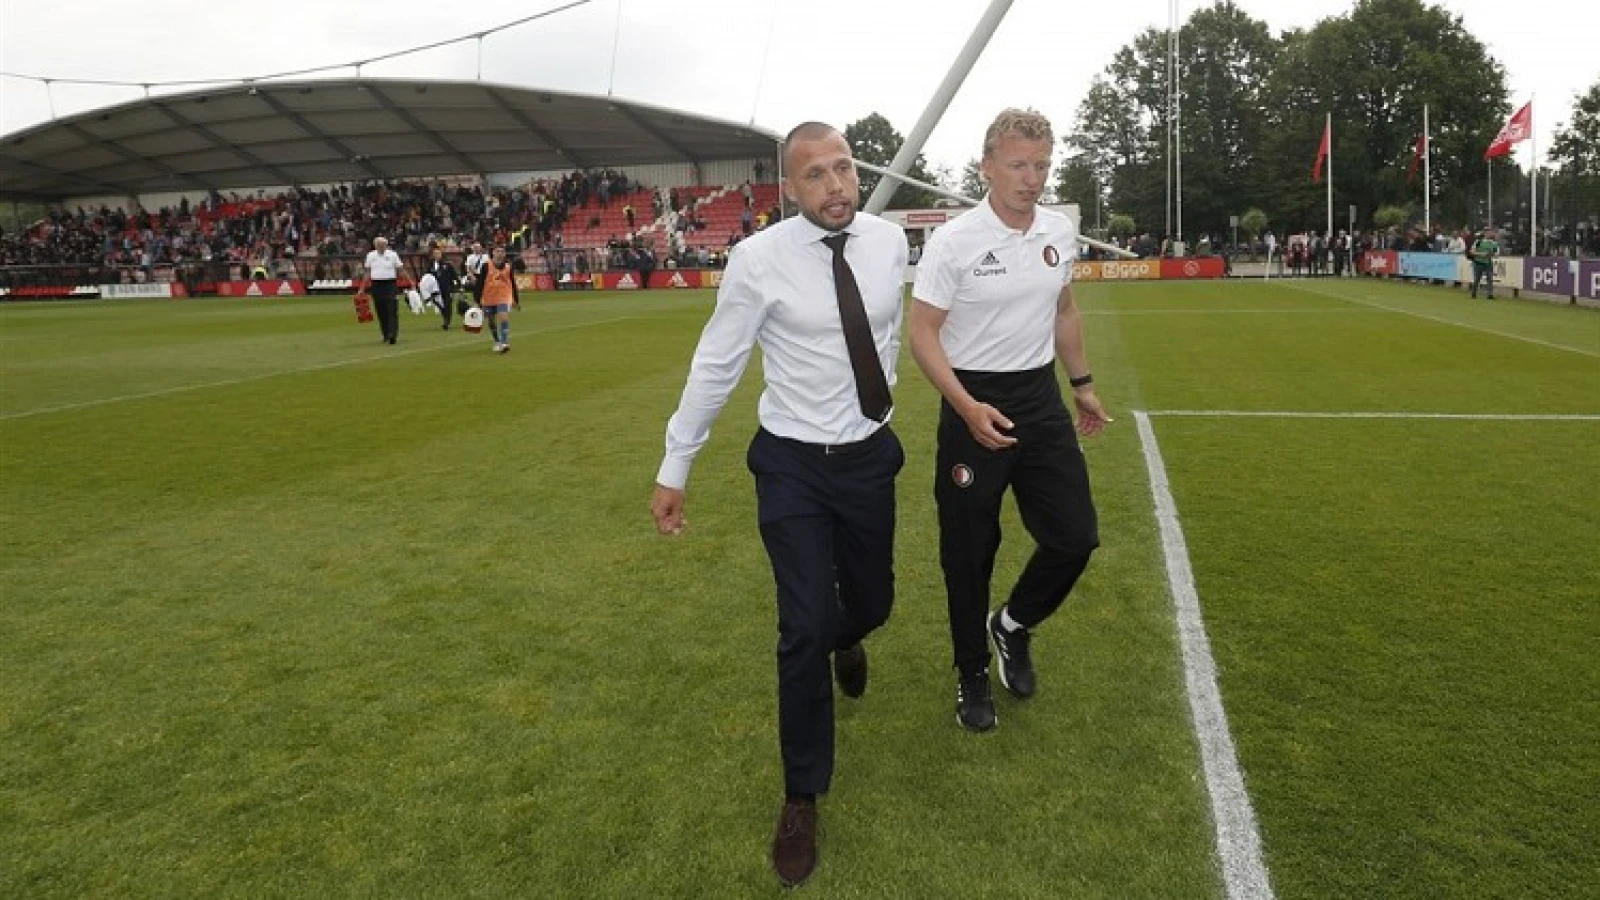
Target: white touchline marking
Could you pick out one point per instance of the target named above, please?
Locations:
(1244, 872)
(1295, 414)
(265, 375)
(1444, 321)
(1213, 312)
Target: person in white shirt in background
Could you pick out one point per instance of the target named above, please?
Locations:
(473, 275)
(477, 265)
(383, 268)
(821, 293)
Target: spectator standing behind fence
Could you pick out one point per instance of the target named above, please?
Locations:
(383, 267)
(1482, 254)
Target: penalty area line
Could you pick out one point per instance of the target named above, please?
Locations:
(1374, 414)
(1238, 839)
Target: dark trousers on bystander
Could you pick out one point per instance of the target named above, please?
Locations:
(385, 299)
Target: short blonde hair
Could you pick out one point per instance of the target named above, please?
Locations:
(1029, 124)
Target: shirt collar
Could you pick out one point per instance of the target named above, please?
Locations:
(810, 233)
(986, 211)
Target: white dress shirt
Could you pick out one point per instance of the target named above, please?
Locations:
(778, 292)
(383, 266)
(1000, 287)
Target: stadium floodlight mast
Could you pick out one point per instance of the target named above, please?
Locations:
(963, 198)
(939, 102)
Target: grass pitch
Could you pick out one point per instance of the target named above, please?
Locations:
(288, 612)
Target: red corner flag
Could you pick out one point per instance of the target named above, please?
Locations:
(1416, 158)
(1322, 152)
(1517, 129)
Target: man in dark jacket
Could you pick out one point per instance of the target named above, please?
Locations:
(645, 260)
(445, 275)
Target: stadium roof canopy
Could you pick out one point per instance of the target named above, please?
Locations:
(323, 131)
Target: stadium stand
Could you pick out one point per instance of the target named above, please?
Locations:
(319, 236)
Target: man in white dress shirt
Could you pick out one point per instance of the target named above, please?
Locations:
(994, 311)
(821, 294)
(383, 268)
(477, 266)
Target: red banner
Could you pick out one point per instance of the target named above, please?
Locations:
(1380, 262)
(271, 287)
(630, 281)
(1323, 150)
(1192, 267)
(1516, 130)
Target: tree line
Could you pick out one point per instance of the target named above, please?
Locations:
(1252, 114)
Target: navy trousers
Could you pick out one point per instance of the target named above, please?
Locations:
(827, 520)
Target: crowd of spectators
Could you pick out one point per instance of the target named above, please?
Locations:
(340, 221)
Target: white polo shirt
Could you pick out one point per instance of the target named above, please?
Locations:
(999, 286)
(384, 266)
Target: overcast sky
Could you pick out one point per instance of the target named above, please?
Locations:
(773, 62)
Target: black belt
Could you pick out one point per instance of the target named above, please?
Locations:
(836, 449)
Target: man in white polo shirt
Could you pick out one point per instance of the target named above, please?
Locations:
(993, 312)
(382, 273)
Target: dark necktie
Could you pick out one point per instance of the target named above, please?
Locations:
(872, 388)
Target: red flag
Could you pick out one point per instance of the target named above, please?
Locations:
(1322, 152)
(1416, 158)
(1517, 129)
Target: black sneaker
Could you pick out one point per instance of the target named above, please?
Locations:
(850, 670)
(1016, 665)
(974, 703)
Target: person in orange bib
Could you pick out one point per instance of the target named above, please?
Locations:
(499, 293)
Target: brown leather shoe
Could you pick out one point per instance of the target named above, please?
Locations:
(794, 847)
(850, 670)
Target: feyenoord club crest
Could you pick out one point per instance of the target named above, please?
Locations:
(1051, 257)
(961, 475)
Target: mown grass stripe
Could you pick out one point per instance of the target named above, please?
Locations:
(1445, 320)
(298, 370)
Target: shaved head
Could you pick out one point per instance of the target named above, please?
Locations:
(805, 131)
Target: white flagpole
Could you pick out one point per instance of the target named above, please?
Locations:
(1489, 209)
(1328, 130)
(1427, 182)
(1533, 199)
(1177, 120)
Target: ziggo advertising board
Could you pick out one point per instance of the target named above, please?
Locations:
(1148, 269)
